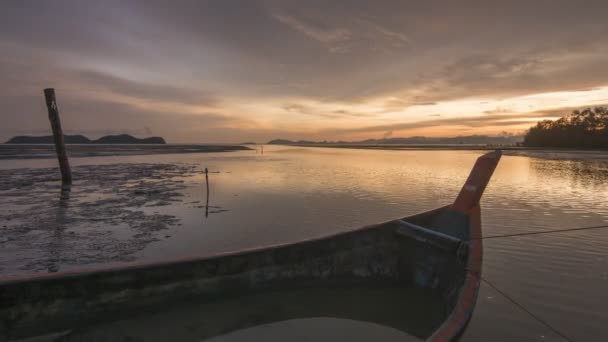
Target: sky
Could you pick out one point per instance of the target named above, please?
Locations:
(229, 71)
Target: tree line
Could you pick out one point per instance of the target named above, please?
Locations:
(586, 128)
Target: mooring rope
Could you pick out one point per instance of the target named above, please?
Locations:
(513, 301)
(523, 308)
(541, 232)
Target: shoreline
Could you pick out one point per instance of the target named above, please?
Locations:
(408, 146)
(534, 152)
(45, 151)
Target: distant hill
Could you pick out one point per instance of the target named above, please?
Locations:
(69, 139)
(81, 139)
(462, 140)
(128, 139)
(282, 142)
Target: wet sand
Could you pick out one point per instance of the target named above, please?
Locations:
(109, 213)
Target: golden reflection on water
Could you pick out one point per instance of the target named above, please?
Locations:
(432, 177)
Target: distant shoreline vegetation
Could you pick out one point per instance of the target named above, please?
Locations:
(81, 139)
(587, 129)
(501, 140)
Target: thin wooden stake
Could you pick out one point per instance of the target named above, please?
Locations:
(62, 156)
(207, 203)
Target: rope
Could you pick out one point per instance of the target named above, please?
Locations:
(541, 232)
(523, 308)
(513, 301)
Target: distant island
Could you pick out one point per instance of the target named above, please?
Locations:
(586, 129)
(81, 139)
(505, 139)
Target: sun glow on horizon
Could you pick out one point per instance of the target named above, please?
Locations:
(341, 120)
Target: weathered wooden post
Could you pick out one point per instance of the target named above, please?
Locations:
(62, 157)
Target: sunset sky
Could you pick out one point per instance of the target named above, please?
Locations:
(232, 71)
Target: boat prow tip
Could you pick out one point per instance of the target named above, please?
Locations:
(480, 176)
(496, 154)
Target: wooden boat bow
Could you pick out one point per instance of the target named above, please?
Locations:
(467, 202)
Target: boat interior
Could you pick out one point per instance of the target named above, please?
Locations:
(405, 274)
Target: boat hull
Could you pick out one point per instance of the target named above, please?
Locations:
(376, 255)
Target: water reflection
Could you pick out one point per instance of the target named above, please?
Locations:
(207, 193)
(587, 173)
(55, 247)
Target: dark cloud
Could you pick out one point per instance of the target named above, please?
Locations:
(387, 46)
(561, 111)
(156, 92)
(508, 119)
(387, 134)
(498, 110)
(296, 108)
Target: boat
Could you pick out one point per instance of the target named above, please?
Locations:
(438, 253)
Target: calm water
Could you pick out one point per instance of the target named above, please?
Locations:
(289, 194)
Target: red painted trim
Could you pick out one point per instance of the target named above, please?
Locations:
(453, 327)
(468, 202)
(476, 183)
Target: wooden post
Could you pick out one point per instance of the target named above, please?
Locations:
(207, 202)
(207, 179)
(62, 156)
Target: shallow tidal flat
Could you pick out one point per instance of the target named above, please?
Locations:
(98, 219)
